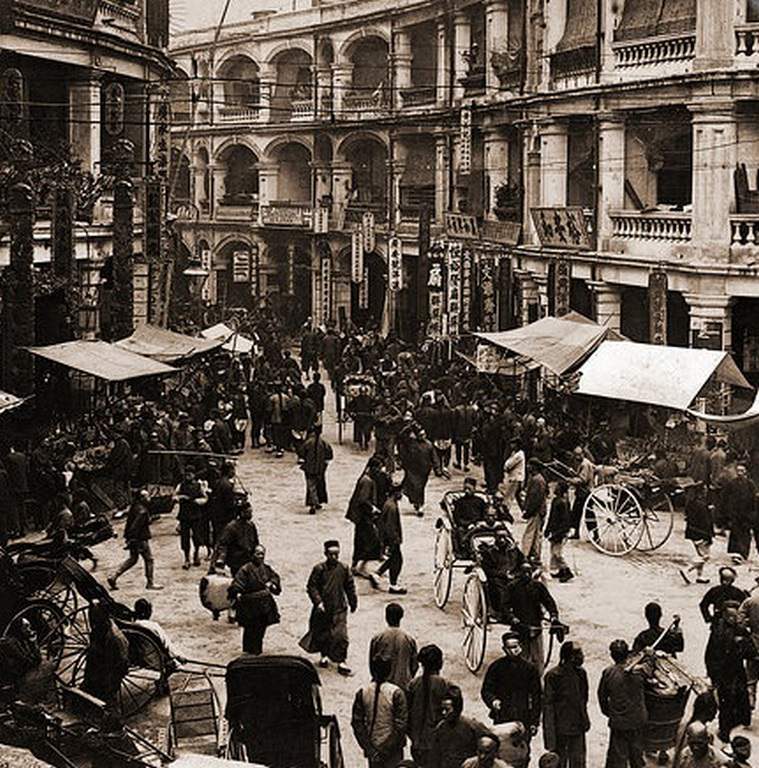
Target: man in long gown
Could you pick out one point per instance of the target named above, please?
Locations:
(418, 459)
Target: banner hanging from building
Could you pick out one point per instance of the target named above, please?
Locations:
(453, 286)
(321, 220)
(487, 278)
(562, 286)
(395, 264)
(357, 254)
(657, 306)
(435, 285)
(326, 286)
(467, 263)
(363, 291)
(205, 262)
(561, 227)
(465, 140)
(291, 270)
(240, 267)
(461, 225)
(255, 266)
(367, 232)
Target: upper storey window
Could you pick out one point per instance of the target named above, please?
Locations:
(652, 18)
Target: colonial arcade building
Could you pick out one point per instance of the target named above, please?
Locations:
(642, 114)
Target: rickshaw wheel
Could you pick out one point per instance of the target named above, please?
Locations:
(658, 521)
(613, 519)
(77, 632)
(442, 567)
(42, 583)
(147, 675)
(47, 621)
(474, 615)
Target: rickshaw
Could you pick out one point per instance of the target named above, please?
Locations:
(352, 386)
(275, 716)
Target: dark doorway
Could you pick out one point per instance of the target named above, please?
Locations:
(371, 316)
(634, 313)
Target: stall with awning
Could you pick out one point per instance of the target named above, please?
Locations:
(166, 346)
(233, 341)
(654, 374)
(556, 343)
(8, 401)
(101, 360)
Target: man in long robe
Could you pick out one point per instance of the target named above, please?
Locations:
(418, 459)
(363, 512)
(332, 592)
(740, 496)
(315, 455)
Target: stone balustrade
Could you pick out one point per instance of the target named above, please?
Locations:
(418, 96)
(303, 110)
(665, 226)
(654, 52)
(365, 104)
(234, 113)
(746, 45)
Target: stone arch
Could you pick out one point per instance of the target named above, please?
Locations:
(346, 141)
(231, 53)
(344, 50)
(232, 141)
(270, 152)
(288, 45)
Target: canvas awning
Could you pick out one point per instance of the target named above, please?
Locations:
(733, 420)
(233, 341)
(8, 401)
(166, 346)
(580, 27)
(558, 343)
(654, 374)
(102, 360)
(650, 18)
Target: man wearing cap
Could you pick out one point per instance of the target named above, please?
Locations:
(332, 592)
(712, 602)
(621, 698)
(468, 510)
(392, 538)
(535, 506)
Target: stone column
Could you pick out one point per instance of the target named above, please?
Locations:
(443, 63)
(267, 85)
(715, 35)
(608, 304)
(496, 39)
(199, 195)
(218, 185)
(441, 176)
(532, 181)
(541, 282)
(496, 166)
(84, 121)
(553, 163)
(267, 183)
(322, 180)
(323, 76)
(714, 158)
(402, 64)
(462, 42)
(530, 295)
(711, 319)
(611, 173)
(342, 81)
(342, 175)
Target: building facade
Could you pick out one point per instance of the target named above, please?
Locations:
(641, 113)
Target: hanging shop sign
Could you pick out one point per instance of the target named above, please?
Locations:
(255, 264)
(501, 232)
(467, 259)
(435, 285)
(465, 140)
(162, 134)
(205, 262)
(562, 285)
(240, 267)
(367, 231)
(285, 215)
(453, 286)
(321, 220)
(326, 286)
(395, 263)
(114, 100)
(363, 291)
(291, 270)
(154, 217)
(488, 309)
(561, 227)
(357, 254)
(462, 226)
(657, 306)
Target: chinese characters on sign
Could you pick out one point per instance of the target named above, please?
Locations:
(240, 267)
(321, 220)
(395, 264)
(487, 293)
(291, 269)
(435, 286)
(466, 288)
(367, 231)
(657, 306)
(502, 232)
(255, 283)
(461, 225)
(465, 140)
(205, 262)
(357, 255)
(363, 291)
(562, 278)
(326, 275)
(454, 252)
(285, 215)
(561, 227)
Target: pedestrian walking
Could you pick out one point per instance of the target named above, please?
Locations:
(620, 696)
(565, 707)
(425, 696)
(535, 503)
(192, 498)
(556, 531)
(397, 646)
(380, 717)
(253, 589)
(221, 504)
(391, 532)
(740, 496)
(364, 514)
(315, 456)
(582, 482)
(699, 530)
(137, 535)
(418, 459)
(464, 421)
(17, 466)
(455, 736)
(515, 474)
(748, 616)
(237, 541)
(332, 592)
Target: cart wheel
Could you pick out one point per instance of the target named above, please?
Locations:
(147, 676)
(474, 615)
(613, 519)
(658, 521)
(47, 621)
(77, 633)
(443, 566)
(42, 583)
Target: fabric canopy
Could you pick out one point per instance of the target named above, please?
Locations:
(8, 402)
(654, 374)
(102, 360)
(736, 420)
(580, 26)
(651, 18)
(233, 341)
(166, 346)
(558, 343)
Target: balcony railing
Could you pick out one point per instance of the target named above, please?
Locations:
(744, 237)
(237, 113)
(747, 45)
(303, 110)
(474, 80)
(573, 68)
(418, 95)
(366, 103)
(236, 210)
(654, 52)
(665, 226)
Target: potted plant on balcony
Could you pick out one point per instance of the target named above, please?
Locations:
(508, 201)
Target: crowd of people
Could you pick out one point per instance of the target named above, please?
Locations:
(417, 412)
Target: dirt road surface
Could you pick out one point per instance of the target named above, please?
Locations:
(604, 602)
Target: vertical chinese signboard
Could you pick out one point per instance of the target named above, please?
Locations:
(395, 264)
(367, 232)
(357, 255)
(562, 285)
(363, 291)
(435, 285)
(291, 270)
(240, 267)
(657, 306)
(467, 263)
(454, 253)
(487, 278)
(326, 285)
(206, 292)
(255, 278)
(465, 140)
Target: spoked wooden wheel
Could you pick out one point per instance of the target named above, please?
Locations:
(443, 566)
(658, 521)
(48, 624)
(613, 519)
(147, 675)
(474, 615)
(77, 641)
(43, 583)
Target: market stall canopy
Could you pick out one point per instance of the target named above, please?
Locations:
(655, 374)
(233, 341)
(558, 343)
(166, 346)
(8, 402)
(734, 420)
(102, 360)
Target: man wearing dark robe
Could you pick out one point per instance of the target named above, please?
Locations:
(418, 459)
(315, 455)
(238, 541)
(363, 512)
(107, 658)
(332, 592)
(715, 598)
(740, 501)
